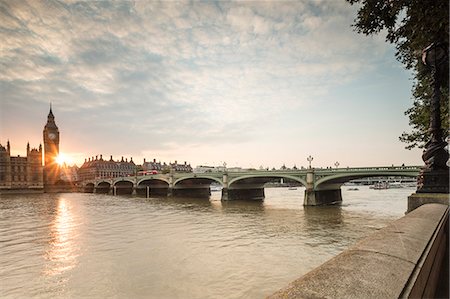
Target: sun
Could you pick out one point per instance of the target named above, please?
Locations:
(63, 158)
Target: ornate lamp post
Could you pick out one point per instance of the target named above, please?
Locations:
(336, 164)
(434, 176)
(309, 160)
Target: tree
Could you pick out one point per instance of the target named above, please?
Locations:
(411, 26)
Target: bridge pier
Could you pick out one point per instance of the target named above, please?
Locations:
(191, 192)
(89, 189)
(243, 194)
(322, 197)
(102, 190)
(224, 194)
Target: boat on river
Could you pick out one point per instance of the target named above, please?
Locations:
(380, 186)
(401, 184)
(215, 188)
(396, 185)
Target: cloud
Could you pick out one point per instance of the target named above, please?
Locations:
(178, 73)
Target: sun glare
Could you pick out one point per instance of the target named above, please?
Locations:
(63, 158)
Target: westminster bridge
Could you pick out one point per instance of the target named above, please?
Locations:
(323, 186)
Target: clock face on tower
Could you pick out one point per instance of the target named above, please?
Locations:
(52, 136)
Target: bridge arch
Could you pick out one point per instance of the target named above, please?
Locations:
(251, 186)
(194, 186)
(152, 187)
(85, 183)
(131, 180)
(267, 176)
(103, 187)
(89, 187)
(152, 179)
(200, 178)
(123, 187)
(103, 184)
(338, 179)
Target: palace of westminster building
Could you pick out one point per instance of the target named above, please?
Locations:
(26, 174)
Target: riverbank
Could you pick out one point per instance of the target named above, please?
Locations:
(405, 259)
(21, 191)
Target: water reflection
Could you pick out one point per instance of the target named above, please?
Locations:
(96, 246)
(323, 217)
(63, 248)
(188, 202)
(243, 206)
(324, 226)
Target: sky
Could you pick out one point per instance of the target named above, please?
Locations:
(247, 83)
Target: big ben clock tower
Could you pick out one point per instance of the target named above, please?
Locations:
(51, 151)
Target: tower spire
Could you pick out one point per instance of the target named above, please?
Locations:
(50, 114)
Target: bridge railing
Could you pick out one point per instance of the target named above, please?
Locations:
(414, 168)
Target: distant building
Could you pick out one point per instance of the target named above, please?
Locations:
(203, 169)
(181, 167)
(68, 173)
(235, 169)
(100, 169)
(165, 168)
(21, 173)
(149, 166)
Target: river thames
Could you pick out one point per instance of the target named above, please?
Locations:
(77, 245)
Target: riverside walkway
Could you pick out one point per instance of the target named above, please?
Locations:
(407, 259)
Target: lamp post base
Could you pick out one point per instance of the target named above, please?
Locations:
(433, 181)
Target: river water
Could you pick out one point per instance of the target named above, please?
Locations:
(90, 245)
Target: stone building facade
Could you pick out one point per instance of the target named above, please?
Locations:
(98, 168)
(181, 167)
(153, 165)
(21, 173)
(163, 167)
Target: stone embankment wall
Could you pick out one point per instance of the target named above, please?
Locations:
(403, 260)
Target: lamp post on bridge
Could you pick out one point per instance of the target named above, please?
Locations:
(310, 160)
(434, 176)
(336, 164)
